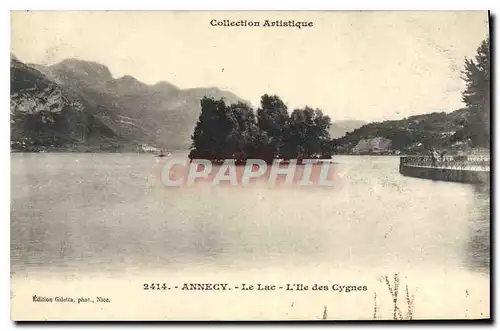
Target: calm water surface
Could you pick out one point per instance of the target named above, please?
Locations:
(95, 212)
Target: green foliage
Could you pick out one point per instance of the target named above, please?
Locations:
(477, 97)
(477, 78)
(307, 133)
(414, 134)
(273, 119)
(213, 128)
(236, 131)
(468, 126)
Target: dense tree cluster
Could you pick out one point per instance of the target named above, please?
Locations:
(476, 96)
(237, 132)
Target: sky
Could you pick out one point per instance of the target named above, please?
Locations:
(368, 66)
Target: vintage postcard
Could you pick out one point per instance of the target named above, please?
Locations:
(250, 166)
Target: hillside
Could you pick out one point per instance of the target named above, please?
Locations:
(45, 115)
(341, 128)
(415, 134)
(161, 114)
(76, 104)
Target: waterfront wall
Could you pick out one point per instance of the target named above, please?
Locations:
(460, 175)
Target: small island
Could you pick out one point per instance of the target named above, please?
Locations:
(270, 133)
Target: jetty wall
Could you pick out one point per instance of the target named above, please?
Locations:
(463, 174)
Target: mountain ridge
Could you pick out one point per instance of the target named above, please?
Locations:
(342, 127)
(161, 114)
(44, 114)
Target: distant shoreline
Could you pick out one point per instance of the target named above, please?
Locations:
(185, 151)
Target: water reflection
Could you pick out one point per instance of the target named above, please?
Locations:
(478, 241)
(111, 216)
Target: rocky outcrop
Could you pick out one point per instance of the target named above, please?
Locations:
(372, 145)
(44, 115)
(33, 101)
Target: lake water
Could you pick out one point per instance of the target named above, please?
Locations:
(103, 223)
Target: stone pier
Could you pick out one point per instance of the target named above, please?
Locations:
(462, 170)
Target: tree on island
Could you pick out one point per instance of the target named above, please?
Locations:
(307, 134)
(274, 120)
(212, 130)
(237, 132)
(246, 140)
(476, 96)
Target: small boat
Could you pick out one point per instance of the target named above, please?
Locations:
(163, 154)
